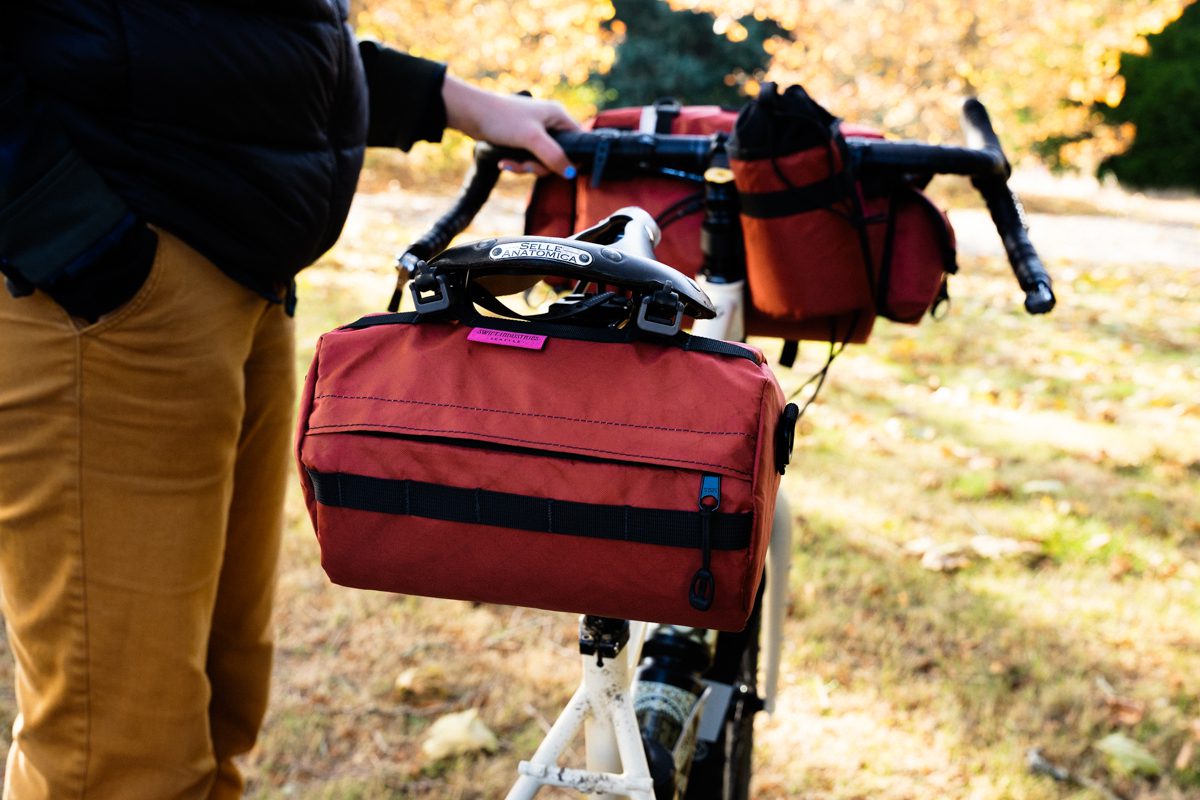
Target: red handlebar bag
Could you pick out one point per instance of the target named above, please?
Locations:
(560, 208)
(826, 247)
(827, 250)
(549, 467)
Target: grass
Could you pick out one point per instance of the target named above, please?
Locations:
(1076, 437)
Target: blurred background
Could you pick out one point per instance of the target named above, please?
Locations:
(998, 522)
(1068, 83)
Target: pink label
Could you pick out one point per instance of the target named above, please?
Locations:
(507, 338)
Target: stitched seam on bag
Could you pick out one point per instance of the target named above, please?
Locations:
(532, 414)
(532, 441)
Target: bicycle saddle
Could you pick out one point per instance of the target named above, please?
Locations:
(582, 258)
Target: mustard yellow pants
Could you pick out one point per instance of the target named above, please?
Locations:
(143, 461)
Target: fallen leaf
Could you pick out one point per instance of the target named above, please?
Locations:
(457, 734)
(945, 558)
(427, 681)
(1184, 759)
(929, 481)
(1128, 757)
(1125, 710)
(991, 547)
(920, 546)
(1120, 566)
(1045, 486)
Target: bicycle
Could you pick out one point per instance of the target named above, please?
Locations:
(682, 725)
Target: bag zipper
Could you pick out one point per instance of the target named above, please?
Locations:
(703, 586)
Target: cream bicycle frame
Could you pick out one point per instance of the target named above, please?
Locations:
(603, 704)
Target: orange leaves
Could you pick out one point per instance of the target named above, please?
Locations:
(1039, 67)
(903, 65)
(540, 45)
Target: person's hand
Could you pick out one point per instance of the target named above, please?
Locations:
(111, 278)
(511, 121)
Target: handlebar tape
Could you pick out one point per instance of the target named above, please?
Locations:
(1006, 212)
(477, 187)
(1009, 219)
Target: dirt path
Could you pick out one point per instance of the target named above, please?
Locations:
(1090, 239)
(1127, 229)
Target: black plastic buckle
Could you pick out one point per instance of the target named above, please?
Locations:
(662, 304)
(430, 292)
(785, 437)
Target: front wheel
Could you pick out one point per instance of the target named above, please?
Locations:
(722, 769)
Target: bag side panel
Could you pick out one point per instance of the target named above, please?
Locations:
(484, 563)
(306, 405)
(922, 253)
(616, 401)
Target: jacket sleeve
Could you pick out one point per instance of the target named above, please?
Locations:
(404, 97)
(57, 215)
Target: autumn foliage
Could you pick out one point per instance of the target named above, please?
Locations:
(1045, 70)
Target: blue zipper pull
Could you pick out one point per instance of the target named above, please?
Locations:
(703, 587)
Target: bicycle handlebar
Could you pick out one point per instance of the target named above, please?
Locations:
(983, 160)
(1007, 212)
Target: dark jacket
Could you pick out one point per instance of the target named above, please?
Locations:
(237, 126)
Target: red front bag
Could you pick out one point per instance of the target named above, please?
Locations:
(497, 465)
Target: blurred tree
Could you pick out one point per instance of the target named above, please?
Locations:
(550, 47)
(1162, 100)
(693, 56)
(1041, 68)
(1044, 69)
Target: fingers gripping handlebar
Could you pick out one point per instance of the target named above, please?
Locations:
(586, 148)
(596, 151)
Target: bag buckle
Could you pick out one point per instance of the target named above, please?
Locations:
(430, 292)
(661, 312)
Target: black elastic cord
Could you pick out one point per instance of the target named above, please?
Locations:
(835, 350)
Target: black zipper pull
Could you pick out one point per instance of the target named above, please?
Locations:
(703, 586)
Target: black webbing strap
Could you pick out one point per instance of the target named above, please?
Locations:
(686, 341)
(717, 347)
(523, 512)
(787, 356)
(795, 200)
(666, 110)
(370, 321)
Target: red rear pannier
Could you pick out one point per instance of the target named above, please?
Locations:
(499, 465)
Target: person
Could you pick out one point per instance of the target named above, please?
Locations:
(165, 170)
